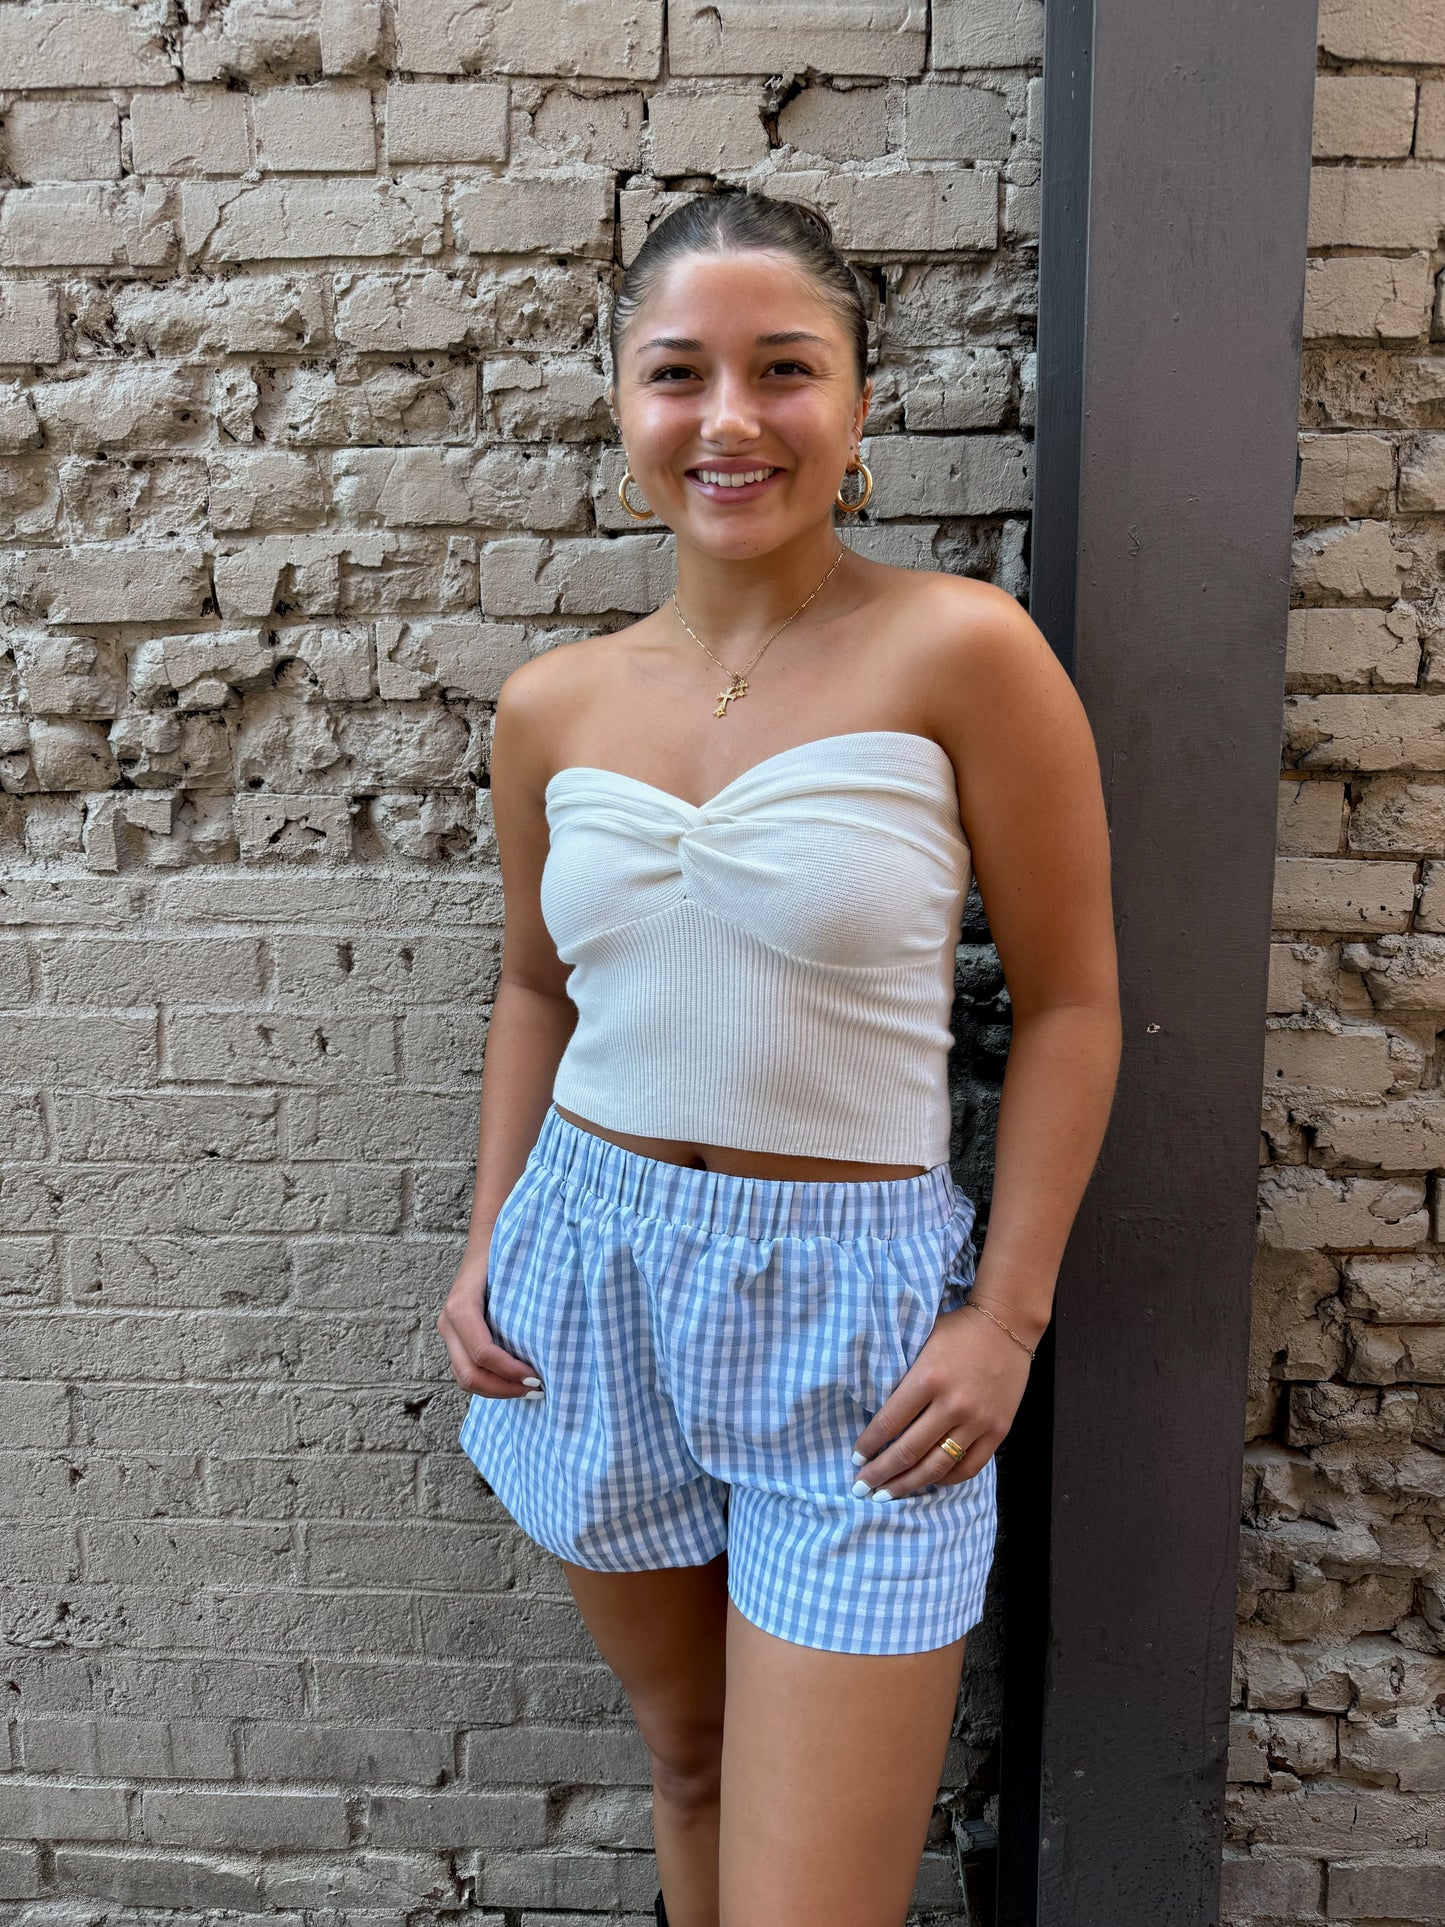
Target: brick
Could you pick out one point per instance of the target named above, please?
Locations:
(604, 130)
(1383, 30)
(884, 37)
(14, 975)
(29, 322)
(1393, 814)
(522, 1755)
(51, 1047)
(458, 654)
(1268, 1883)
(118, 1748)
(462, 122)
(1401, 972)
(1306, 1209)
(20, 1874)
(325, 129)
(934, 211)
(294, 829)
(351, 35)
(112, 1127)
(82, 45)
(71, 676)
(1400, 1887)
(488, 1820)
(130, 585)
(603, 39)
(362, 1756)
(1368, 297)
(1358, 648)
(390, 1125)
(720, 132)
(89, 225)
(161, 1881)
(840, 124)
(310, 220)
(987, 33)
(259, 1198)
(1365, 732)
(507, 487)
(523, 576)
(242, 1819)
(947, 123)
(1376, 207)
(254, 314)
(1430, 121)
(1341, 894)
(1345, 475)
(1355, 560)
(948, 474)
(202, 131)
(237, 1048)
(44, 1811)
(505, 217)
(1368, 115)
(1356, 1062)
(1310, 820)
(1408, 1135)
(63, 140)
(1422, 473)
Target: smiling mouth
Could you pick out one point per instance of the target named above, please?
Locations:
(731, 478)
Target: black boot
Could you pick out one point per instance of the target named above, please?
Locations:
(660, 1911)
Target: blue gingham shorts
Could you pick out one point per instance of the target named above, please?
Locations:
(710, 1347)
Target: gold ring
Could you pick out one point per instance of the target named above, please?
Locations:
(952, 1447)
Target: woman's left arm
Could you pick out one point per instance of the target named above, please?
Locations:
(1032, 806)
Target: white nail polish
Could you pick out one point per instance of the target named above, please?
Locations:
(858, 1459)
(860, 1490)
(531, 1394)
(532, 1381)
(883, 1493)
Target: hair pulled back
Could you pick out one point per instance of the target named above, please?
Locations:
(737, 220)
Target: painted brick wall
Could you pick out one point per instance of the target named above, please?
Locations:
(1337, 1792)
(301, 408)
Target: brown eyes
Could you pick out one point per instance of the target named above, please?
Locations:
(777, 367)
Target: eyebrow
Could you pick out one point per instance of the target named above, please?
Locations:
(684, 344)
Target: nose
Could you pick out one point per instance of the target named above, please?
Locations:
(730, 416)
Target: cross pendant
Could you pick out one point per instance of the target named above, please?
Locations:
(738, 687)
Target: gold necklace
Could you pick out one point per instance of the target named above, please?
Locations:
(739, 684)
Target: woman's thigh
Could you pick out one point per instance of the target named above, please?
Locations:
(664, 1635)
(831, 1766)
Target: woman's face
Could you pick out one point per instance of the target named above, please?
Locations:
(738, 401)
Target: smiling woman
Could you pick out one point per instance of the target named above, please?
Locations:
(714, 1311)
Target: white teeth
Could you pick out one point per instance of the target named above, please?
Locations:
(719, 479)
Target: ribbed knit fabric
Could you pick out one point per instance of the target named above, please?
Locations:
(773, 970)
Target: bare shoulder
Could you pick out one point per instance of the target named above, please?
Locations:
(988, 682)
(539, 698)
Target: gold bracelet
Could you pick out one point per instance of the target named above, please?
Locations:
(999, 1322)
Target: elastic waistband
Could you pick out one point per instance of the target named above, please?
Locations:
(719, 1201)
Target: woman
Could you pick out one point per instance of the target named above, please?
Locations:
(733, 1355)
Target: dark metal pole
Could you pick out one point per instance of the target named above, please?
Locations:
(1176, 183)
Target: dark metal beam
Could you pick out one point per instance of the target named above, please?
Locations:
(1176, 182)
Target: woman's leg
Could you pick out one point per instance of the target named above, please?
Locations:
(664, 1634)
(831, 1766)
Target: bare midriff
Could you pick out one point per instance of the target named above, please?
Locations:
(744, 1164)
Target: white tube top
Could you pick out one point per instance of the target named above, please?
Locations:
(773, 970)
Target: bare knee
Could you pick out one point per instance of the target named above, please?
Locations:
(686, 1758)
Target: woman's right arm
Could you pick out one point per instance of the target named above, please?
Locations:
(531, 1021)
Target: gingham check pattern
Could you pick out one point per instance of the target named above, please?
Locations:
(710, 1347)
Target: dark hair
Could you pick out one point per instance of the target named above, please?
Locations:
(738, 220)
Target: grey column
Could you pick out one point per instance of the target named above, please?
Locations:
(1176, 183)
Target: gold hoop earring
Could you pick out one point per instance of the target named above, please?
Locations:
(638, 515)
(856, 468)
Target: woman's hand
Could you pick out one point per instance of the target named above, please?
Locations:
(966, 1383)
(478, 1362)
